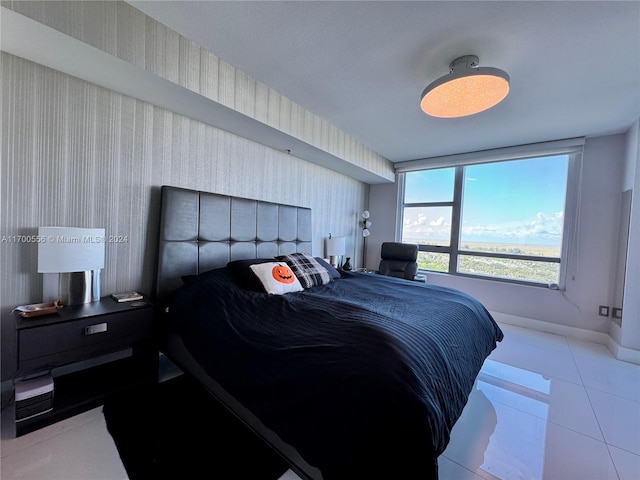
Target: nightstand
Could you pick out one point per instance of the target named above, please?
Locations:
(72, 360)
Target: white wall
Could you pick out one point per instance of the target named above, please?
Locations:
(383, 208)
(590, 277)
(628, 334)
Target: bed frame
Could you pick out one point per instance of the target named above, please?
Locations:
(200, 231)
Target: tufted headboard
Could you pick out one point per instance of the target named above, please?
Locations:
(200, 231)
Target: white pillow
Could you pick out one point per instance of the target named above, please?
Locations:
(276, 277)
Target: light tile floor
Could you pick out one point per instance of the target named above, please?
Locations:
(548, 407)
(79, 448)
(543, 407)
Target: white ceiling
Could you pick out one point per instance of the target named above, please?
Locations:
(574, 66)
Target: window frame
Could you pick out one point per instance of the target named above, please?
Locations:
(571, 148)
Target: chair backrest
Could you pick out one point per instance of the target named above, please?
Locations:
(399, 260)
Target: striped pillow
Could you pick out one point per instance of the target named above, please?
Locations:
(309, 272)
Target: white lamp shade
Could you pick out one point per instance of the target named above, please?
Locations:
(334, 246)
(70, 249)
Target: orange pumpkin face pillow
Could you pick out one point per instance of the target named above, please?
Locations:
(282, 273)
(276, 277)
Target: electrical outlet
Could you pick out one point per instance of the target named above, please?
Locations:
(603, 311)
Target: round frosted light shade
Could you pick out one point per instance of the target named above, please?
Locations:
(465, 92)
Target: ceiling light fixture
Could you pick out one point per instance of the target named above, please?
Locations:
(466, 90)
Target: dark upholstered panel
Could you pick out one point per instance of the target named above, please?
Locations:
(216, 225)
(183, 212)
(267, 222)
(244, 220)
(200, 231)
(304, 225)
(287, 223)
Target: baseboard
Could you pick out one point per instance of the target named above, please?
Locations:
(565, 330)
(621, 353)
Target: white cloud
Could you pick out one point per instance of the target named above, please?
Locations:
(438, 222)
(544, 228)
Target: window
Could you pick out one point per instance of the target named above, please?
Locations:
(505, 220)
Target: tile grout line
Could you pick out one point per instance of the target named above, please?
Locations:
(595, 414)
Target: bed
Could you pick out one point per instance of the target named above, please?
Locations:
(348, 375)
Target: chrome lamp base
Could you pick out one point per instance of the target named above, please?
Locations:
(77, 288)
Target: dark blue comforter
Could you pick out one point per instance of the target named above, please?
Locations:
(365, 376)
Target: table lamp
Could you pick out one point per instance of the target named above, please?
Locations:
(71, 260)
(334, 249)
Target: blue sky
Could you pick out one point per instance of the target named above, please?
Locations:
(507, 202)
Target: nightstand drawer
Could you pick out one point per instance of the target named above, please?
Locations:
(71, 340)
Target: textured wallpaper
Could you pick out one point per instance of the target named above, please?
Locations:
(120, 30)
(75, 154)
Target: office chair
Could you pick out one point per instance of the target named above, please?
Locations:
(399, 260)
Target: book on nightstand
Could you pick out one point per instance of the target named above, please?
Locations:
(126, 296)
